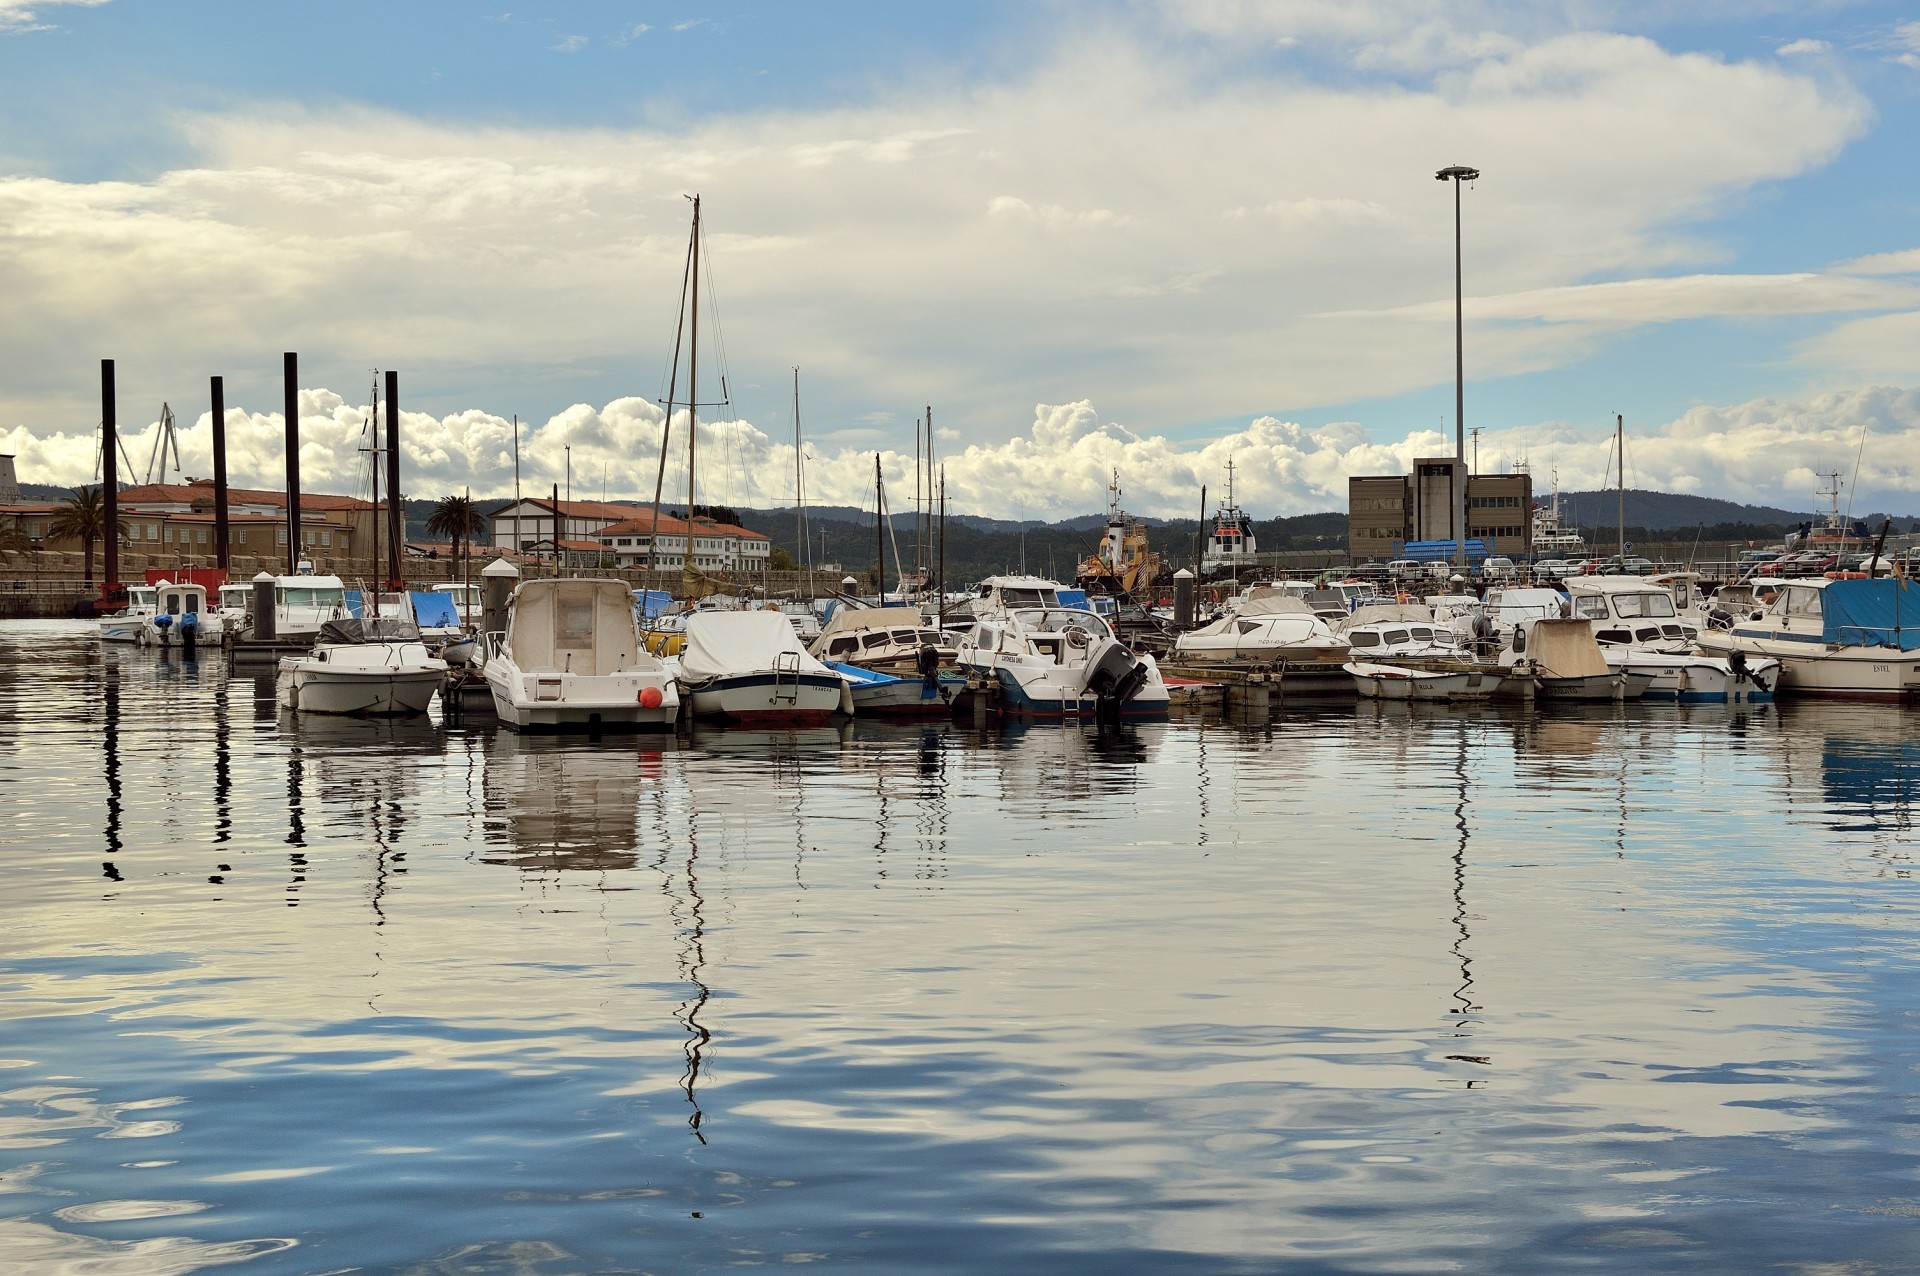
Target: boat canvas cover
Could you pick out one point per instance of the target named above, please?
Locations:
(372, 629)
(1872, 613)
(1074, 598)
(1566, 649)
(855, 619)
(1274, 603)
(1390, 613)
(434, 611)
(733, 642)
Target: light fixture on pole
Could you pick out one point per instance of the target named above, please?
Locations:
(1457, 174)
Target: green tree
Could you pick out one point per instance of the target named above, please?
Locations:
(14, 541)
(781, 561)
(457, 518)
(84, 517)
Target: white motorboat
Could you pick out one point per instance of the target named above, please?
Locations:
(889, 639)
(181, 617)
(1833, 638)
(1395, 630)
(1641, 630)
(570, 659)
(370, 668)
(302, 604)
(1391, 682)
(1265, 628)
(1050, 661)
(124, 625)
(748, 667)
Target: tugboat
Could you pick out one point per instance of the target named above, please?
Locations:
(1122, 566)
(1230, 543)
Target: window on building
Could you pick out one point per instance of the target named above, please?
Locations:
(166, 534)
(280, 536)
(240, 537)
(153, 531)
(326, 539)
(200, 535)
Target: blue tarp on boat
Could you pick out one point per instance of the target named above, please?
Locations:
(354, 603)
(651, 603)
(1075, 598)
(1872, 613)
(433, 610)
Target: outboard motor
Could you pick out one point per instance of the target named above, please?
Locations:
(161, 622)
(189, 629)
(1115, 677)
(1737, 662)
(926, 663)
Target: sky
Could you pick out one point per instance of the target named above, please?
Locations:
(1137, 237)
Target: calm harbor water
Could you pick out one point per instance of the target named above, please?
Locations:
(1356, 990)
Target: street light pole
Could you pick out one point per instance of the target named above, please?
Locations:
(1457, 174)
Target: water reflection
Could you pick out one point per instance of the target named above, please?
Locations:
(555, 806)
(1200, 997)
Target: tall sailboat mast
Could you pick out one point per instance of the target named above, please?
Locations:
(693, 393)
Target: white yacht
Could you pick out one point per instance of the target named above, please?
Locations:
(1834, 638)
(888, 639)
(748, 667)
(124, 625)
(377, 667)
(570, 659)
(181, 617)
(1051, 661)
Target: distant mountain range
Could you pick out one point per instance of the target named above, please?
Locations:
(1671, 511)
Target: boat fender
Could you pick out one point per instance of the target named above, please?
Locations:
(650, 697)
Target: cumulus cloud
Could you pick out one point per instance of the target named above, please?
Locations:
(1796, 48)
(17, 17)
(1109, 223)
(1763, 451)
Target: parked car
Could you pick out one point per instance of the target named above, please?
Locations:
(1497, 568)
(1401, 568)
(1617, 566)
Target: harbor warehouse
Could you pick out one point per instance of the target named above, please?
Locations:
(1384, 512)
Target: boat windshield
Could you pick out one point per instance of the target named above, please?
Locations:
(1011, 598)
(1632, 606)
(1797, 600)
(307, 596)
(1058, 619)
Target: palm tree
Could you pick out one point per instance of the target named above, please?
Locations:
(85, 519)
(14, 541)
(456, 518)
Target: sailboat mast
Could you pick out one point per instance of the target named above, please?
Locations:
(373, 417)
(800, 489)
(693, 387)
(941, 612)
(516, 483)
(918, 511)
(879, 533)
(1620, 446)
